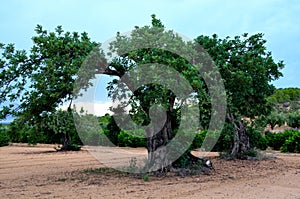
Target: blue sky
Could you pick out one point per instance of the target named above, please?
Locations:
(277, 19)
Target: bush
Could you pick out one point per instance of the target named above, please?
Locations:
(257, 140)
(292, 144)
(223, 143)
(131, 140)
(250, 153)
(277, 140)
(4, 140)
(110, 128)
(226, 137)
(293, 119)
(198, 140)
(225, 140)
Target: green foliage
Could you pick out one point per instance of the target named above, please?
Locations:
(50, 68)
(4, 139)
(285, 100)
(60, 123)
(127, 140)
(51, 128)
(257, 140)
(277, 140)
(146, 178)
(293, 119)
(198, 140)
(40, 81)
(223, 143)
(226, 138)
(88, 128)
(247, 69)
(18, 131)
(275, 118)
(282, 95)
(111, 129)
(250, 153)
(292, 144)
(94, 131)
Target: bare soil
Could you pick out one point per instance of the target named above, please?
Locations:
(41, 172)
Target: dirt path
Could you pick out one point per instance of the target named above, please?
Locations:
(40, 172)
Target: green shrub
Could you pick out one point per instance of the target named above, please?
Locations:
(225, 140)
(111, 129)
(198, 140)
(256, 139)
(4, 140)
(131, 140)
(293, 119)
(276, 140)
(223, 143)
(250, 153)
(226, 137)
(292, 144)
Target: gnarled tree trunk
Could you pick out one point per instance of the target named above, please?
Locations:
(159, 155)
(241, 139)
(157, 141)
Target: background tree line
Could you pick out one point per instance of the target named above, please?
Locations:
(53, 133)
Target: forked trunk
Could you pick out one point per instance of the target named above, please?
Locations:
(241, 139)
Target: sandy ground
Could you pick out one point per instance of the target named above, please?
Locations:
(41, 172)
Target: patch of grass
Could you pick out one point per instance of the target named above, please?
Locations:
(62, 179)
(225, 155)
(250, 153)
(101, 170)
(146, 178)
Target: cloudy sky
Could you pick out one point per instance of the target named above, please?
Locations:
(102, 19)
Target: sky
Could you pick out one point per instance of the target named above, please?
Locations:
(277, 19)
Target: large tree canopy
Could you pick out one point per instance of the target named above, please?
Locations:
(39, 81)
(176, 75)
(247, 69)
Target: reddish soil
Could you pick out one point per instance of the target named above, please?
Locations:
(41, 172)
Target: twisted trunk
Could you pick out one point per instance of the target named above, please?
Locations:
(157, 141)
(241, 139)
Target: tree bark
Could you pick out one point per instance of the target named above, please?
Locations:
(66, 140)
(157, 141)
(241, 139)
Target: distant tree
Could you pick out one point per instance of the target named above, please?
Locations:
(37, 82)
(275, 118)
(282, 95)
(293, 120)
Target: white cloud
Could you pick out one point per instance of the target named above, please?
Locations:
(95, 108)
